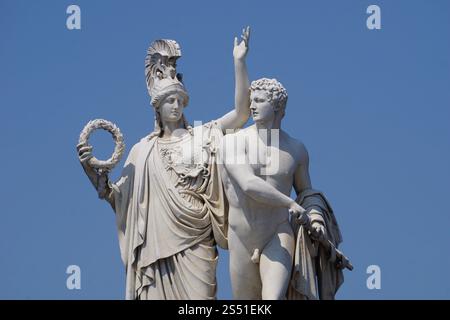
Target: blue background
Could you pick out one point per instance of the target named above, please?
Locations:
(372, 107)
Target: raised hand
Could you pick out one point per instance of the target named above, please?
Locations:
(241, 47)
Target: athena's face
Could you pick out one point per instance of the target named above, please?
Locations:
(171, 108)
(261, 107)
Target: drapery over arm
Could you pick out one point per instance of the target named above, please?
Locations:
(122, 192)
(309, 259)
(214, 196)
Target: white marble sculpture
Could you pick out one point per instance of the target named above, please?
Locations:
(169, 202)
(271, 255)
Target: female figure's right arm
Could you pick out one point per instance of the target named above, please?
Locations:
(99, 179)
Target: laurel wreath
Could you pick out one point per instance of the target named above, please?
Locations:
(118, 139)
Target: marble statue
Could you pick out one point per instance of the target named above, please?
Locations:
(273, 256)
(170, 205)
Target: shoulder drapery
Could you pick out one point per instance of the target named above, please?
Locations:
(310, 261)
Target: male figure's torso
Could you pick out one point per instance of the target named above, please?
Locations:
(254, 223)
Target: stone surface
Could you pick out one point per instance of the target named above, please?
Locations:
(261, 165)
(184, 190)
(169, 201)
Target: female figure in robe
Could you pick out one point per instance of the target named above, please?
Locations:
(169, 202)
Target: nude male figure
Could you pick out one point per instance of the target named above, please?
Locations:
(261, 239)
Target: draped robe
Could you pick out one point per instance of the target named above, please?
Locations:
(314, 275)
(171, 212)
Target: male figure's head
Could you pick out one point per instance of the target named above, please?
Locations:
(268, 100)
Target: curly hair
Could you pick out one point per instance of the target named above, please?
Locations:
(275, 91)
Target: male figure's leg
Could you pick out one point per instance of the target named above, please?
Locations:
(276, 263)
(244, 274)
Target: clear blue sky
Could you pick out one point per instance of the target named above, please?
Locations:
(372, 107)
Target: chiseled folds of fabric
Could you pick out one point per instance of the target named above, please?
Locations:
(314, 275)
(168, 244)
(178, 278)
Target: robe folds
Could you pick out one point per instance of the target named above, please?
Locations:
(314, 275)
(171, 211)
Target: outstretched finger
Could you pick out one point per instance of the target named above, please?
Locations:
(235, 41)
(246, 32)
(244, 39)
(247, 35)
